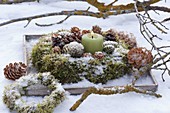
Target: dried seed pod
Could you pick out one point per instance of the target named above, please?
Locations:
(75, 49)
(98, 55)
(15, 71)
(97, 29)
(87, 54)
(139, 57)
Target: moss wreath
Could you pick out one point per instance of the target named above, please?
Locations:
(13, 94)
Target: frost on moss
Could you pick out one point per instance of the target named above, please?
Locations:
(14, 92)
(72, 70)
(102, 71)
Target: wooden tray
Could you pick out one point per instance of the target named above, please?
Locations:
(150, 85)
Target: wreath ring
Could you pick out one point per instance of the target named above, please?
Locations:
(25, 86)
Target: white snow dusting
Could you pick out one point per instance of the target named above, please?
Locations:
(11, 40)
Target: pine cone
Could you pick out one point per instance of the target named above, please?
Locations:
(75, 30)
(111, 35)
(76, 34)
(109, 46)
(139, 57)
(97, 29)
(85, 32)
(130, 40)
(15, 71)
(67, 39)
(56, 39)
(62, 38)
(105, 43)
(76, 38)
(109, 49)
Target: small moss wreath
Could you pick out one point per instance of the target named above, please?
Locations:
(14, 92)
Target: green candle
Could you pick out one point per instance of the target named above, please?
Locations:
(92, 42)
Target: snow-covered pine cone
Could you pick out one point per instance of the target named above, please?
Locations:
(75, 49)
(62, 38)
(109, 46)
(15, 71)
(109, 49)
(56, 40)
(105, 43)
(139, 57)
(129, 39)
(97, 29)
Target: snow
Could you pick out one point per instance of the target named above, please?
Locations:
(12, 51)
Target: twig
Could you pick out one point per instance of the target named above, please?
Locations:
(45, 25)
(160, 64)
(158, 8)
(111, 91)
(166, 19)
(149, 36)
(29, 20)
(112, 3)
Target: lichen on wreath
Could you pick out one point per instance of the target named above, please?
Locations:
(13, 94)
(63, 54)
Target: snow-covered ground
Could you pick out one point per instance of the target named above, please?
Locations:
(11, 40)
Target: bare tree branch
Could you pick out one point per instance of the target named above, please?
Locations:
(104, 8)
(111, 91)
(74, 12)
(104, 11)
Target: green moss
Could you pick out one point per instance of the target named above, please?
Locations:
(72, 71)
(61, 68)
(38, 51)
(110, 72)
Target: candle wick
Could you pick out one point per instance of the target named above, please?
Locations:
(92, 37)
